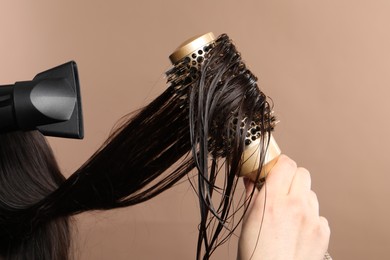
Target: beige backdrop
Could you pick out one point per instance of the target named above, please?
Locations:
(324, 63)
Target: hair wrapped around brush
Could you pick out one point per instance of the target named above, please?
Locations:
(201, 121)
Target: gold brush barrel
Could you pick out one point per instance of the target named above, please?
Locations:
(251, 154)
(251, 159)
(191, 46)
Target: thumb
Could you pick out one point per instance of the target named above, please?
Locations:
(250, 189)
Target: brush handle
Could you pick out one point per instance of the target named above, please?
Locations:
(251, 159)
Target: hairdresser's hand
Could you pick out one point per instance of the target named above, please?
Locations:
(290, 225)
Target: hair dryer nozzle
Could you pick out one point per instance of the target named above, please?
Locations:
(50, 103)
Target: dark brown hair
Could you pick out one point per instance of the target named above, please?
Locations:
(29, 173)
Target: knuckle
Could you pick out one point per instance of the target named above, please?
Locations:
(314, 200)
(304, 175)
(295, 201)
(303, 171)
(288, 161)
(325, 225)
(297, 207)
(313, 196)
(323, 229)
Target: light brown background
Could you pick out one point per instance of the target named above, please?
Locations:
(324, 63)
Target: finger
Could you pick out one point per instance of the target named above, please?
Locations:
(248, 203)
(280, 177)
(313, 202)
(301, 183)
(251, 192)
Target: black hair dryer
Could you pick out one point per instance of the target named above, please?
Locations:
(50, 103)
